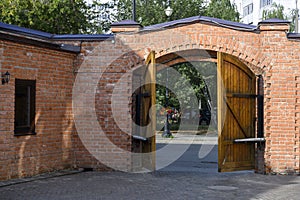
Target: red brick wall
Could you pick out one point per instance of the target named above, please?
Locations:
(51, 148)
(281, 97)
(102, 140)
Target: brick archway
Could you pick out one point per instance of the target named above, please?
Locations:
(130, 51)
(256, 61)
(257, 49)
(245, 44)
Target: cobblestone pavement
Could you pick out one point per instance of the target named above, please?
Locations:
(157, 185)
(189, 177)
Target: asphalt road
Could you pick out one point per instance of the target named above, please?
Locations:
(189, 161)
(190, 153)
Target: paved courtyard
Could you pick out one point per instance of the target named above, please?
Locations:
(187, 178)
(158, 185)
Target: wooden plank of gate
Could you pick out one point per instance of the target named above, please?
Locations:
(220, 108)
(153, 111)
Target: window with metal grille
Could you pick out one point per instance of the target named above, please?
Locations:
(24, 107)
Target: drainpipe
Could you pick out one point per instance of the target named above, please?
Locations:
(296, 18)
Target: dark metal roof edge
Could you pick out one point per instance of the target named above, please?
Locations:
(295, 36)
(229, 24)
(126, 23)
(83, 37)
(195, 19)
(35, 34)
(24, 31)
(40, 43)
(274, 21)
(171, 23)
(44, 39)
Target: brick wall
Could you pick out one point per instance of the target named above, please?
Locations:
(281, 97)
(51, 148)
(102, 141)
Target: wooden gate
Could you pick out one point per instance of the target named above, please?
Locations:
(236, 114)
(146, 116)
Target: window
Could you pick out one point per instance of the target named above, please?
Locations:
(24, 107)
(248, 9)
(264, 3)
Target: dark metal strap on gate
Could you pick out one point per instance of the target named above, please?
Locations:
(138, 137)
(244, 140)
(241, 95)
(260, 107)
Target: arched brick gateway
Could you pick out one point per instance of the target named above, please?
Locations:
(254, 46)
(102, 66)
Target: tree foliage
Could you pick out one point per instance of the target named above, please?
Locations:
(294, 18)
(76, 16)
(103, 14)
(194, 79)
(53, 16)
(223, 9)
(276, 11)
(151, 12)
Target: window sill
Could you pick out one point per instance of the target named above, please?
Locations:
(24, 134)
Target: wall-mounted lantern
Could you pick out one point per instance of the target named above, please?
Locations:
(169, 11)
(5, 78)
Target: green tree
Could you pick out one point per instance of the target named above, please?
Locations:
(103, 15)
(149, 12)
(223, 9)
(75, 16)
(194, 79)
(53, 16)
(293, 13)
(276, 11)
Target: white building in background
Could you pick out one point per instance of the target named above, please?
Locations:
(251, 10)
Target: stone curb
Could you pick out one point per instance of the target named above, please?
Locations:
(39, 177)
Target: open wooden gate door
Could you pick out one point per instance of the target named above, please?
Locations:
(236, 114)
(146, 116)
